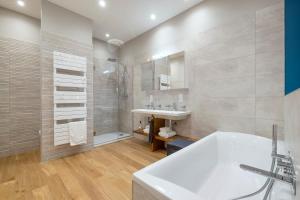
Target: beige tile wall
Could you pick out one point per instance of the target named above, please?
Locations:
(126, 104)
(50, 43)
(19, 96)
(235, 72)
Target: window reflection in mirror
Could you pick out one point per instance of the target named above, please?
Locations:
(147, 76)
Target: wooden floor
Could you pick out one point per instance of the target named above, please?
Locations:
(103, 173)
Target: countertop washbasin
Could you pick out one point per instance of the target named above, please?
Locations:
(164, 114)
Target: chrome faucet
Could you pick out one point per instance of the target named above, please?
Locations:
(274, 176)
(174, 106)
(168, 107)
(159, 107)
(283, 162)
(152, 106)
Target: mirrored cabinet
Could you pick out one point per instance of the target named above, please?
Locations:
(166, 73)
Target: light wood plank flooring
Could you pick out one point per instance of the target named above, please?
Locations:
(103, 173)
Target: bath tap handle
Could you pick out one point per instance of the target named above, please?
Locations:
(281, 157)
(288, 167)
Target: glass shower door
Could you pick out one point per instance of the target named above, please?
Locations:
(110, 84)
(106, 105)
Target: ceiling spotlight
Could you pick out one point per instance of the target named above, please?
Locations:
(107, 35)
(102, 3)
(21, 3)
(153, 17)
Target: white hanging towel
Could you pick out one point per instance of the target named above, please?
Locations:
(78, 133)
(164, 82)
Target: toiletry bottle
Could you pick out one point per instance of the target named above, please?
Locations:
(140, 125)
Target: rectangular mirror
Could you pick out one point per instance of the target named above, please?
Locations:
(177, 71)
(165, 73)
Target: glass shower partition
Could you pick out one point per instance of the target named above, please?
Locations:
(110, 82)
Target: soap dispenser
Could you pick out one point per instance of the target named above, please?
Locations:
(140, 125)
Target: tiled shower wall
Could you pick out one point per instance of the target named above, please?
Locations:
(19, 96)
(50, 43)
(106, 108)
(112, 112)
(235, 72)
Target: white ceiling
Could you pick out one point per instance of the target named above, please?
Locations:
(32, 8)
(122, 19)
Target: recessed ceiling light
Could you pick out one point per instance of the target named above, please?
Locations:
(21, 3)
(102, 3)
(153, 17)
(107, 35)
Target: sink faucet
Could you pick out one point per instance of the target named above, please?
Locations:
(159, 106)
(152, 106)
(283, 162)
(174, 106)
(168, 107)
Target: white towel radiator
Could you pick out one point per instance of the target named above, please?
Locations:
(70, 97)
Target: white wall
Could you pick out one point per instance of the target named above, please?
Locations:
(62, 22)
(18, 26)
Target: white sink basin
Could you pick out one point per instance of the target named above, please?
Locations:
(164, 114)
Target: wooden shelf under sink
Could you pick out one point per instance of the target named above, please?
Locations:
(140, 132)
(170, 139)
(158, 141)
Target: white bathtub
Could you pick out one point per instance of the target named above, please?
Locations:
(209, 170)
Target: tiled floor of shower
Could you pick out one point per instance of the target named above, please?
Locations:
(110, 137)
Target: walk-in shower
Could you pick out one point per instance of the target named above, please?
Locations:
(110, 89)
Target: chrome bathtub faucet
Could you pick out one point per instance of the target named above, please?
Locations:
(289, 179)
(283, 162)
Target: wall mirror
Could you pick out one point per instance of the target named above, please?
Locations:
(165, 73)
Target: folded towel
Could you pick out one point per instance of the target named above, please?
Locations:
(146, 130)
(78, 133)
(165, 129)
(167, 134)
